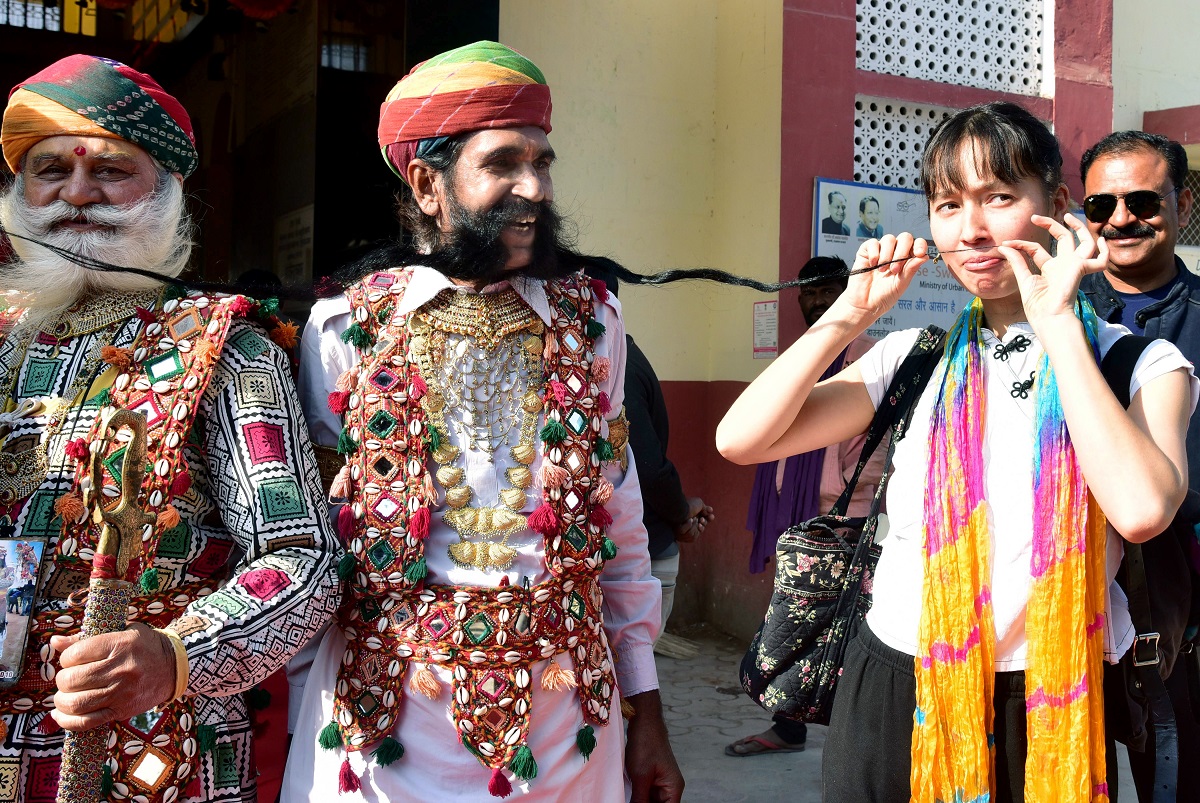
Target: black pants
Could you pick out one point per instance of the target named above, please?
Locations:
(1142, 764)
(868, 750)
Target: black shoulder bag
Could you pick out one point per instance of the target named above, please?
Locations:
(794, 661)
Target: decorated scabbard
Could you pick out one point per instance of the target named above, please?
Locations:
(80, 779)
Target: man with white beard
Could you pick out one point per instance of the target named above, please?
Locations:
(236, 570)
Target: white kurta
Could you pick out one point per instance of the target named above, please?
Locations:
(435, 765)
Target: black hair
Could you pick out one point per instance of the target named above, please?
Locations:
(604, 269)
(1006, 141)
(829, 196)
(867, 199)
(820, 270)
(442, 155)
(1119, 143)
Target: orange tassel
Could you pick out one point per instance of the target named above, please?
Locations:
(551, 347)
(205, 352)
(70, 506)
(602, 492)
(168, 518)
(601, 369)
(426, 682)
(627, 709)
(552, 476)
(115, 355)
(340, 488)
(347, 381)
(431, 494)
(284, 334)
(555, 677)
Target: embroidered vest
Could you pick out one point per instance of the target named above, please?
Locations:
(489, 637)
(163, 377)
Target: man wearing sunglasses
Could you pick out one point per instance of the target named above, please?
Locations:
(1136, 199)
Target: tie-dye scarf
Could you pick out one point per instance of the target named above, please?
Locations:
(952, 749)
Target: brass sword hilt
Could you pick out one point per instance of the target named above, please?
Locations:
(121, 536)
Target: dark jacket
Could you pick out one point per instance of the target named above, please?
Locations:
(662, 492)
(1175, 318)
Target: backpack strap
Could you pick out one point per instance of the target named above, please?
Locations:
(1117, 367)
(895, 411)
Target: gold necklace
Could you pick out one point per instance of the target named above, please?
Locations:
(23, 472)
(487, 322)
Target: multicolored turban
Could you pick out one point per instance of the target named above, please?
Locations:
(94, 97)
(477, 86)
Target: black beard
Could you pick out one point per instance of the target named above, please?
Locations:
(473, 251)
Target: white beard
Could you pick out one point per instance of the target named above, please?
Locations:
(153, 233)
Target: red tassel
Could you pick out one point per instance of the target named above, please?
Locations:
(560, 391)
(345, 523)
(339, 402)
(419, 388)
(603, 403)
(601, 517)
(181, 484)
(504, 581)
(193, 788)
(241, 307)
(418, 524)
(347, 780)
(144, 315)
(600, 289)
(48, 725)
(544, 520)
(78, 450)
(499, 785)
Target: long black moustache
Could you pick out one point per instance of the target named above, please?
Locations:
(1132, 230)
(402, 254)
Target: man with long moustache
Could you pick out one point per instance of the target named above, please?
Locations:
(236, 561)
(498, 609)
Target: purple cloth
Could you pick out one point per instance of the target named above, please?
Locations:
(798, 500)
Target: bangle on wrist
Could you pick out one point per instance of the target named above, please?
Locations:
(181, 664)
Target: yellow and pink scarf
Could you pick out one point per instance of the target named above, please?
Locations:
(952, 749)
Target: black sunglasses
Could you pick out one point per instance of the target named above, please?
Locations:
(1141, 204)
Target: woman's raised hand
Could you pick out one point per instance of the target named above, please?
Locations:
(1053, 288)
(872, 291)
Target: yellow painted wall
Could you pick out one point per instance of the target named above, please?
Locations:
(666, 124)
(1154, 66)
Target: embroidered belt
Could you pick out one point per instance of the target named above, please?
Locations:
(491, 637)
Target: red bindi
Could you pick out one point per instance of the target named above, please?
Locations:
(80, 151)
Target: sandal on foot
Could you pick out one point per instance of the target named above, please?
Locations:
(757, 746)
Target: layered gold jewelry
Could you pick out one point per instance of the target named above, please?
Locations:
(480, 354)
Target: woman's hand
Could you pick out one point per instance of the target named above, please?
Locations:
(1052, 290)
(873, 291)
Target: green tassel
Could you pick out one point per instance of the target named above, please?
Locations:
(609, 550)
(268, 307)
(206, 736)
(149, 580)
(553, 432)
(416, 572)
(172, 291)
(258, 698)
(347, 445)
(604, 449)
(595, 329)
(330, 737)
(523, 766)
(345, 567)
(389, 750)
(435, 437)
(106, 780)
(358, 336)
(585, 740)
(384, 315)
(100, 399)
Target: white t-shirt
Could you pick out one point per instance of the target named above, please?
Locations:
(895, 615)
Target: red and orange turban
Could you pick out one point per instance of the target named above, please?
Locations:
(477, 86)
(95, 97)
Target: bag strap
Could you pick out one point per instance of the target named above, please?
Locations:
(895, 411)
(1117, 367)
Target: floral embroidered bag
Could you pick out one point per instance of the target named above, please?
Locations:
(823, 570)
